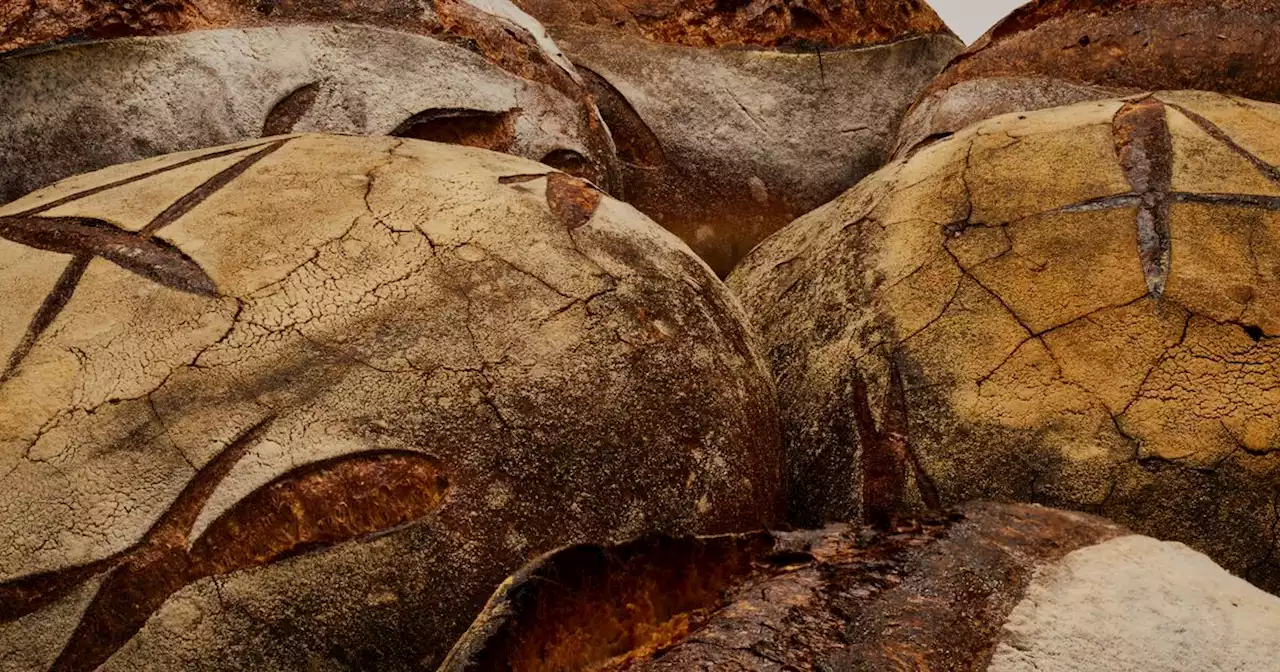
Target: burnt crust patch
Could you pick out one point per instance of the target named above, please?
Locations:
(839, 598)
(800, 25)
(572, 200)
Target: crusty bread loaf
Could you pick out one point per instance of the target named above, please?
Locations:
(164, 77)
(732, 119)
(303, 402)
(1057, 52)
(1084, 308)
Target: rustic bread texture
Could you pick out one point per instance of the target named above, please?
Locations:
(126, 99)
(930, 598)
(1049, 53)
(513, 42)
(452, 74)
(1084, 307)
(303, 402)
(733, 119)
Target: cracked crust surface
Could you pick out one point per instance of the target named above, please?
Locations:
(1083, 304)
(725, 145)
(552, 365)
(126, 99)
(1049, 53)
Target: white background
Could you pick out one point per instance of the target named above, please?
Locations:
(971, 18)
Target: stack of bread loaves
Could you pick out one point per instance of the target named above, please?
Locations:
(325, 320)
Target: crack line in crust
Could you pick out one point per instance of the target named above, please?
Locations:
(1214, 131)
(886, 453)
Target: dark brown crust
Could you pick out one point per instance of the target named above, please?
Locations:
(580, 606)
(151, 258)
(931, 597)
(886, 454)
(1227, 46)
(320, 505)
(48, 311)
(1145, 148)
(883, 469)
(956, 594)
(285, 114)
(762, 24)
(572, 200)
(43, 23)
(636, 143)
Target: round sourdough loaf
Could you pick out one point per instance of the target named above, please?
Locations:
(733, 118)
(171, 78)
(302, 403)
(1084, 306)
(1049, 53)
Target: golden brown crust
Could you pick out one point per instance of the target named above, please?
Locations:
(1112, 261)
(382, 397)
(771, 24)
(1136, 44)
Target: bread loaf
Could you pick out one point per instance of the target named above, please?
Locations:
(1083, 306)
(1048, 53)
(164, 77)
(732, 119)
(303, 402)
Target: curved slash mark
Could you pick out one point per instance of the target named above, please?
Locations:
(1144, 145)
(24, 596)
(85, 238)
(138, 252)
(1268, 171)
(49, 309)
(572, 200)
(152, 571)
(309, 508)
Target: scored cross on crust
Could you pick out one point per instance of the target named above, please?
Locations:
(139, 252)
